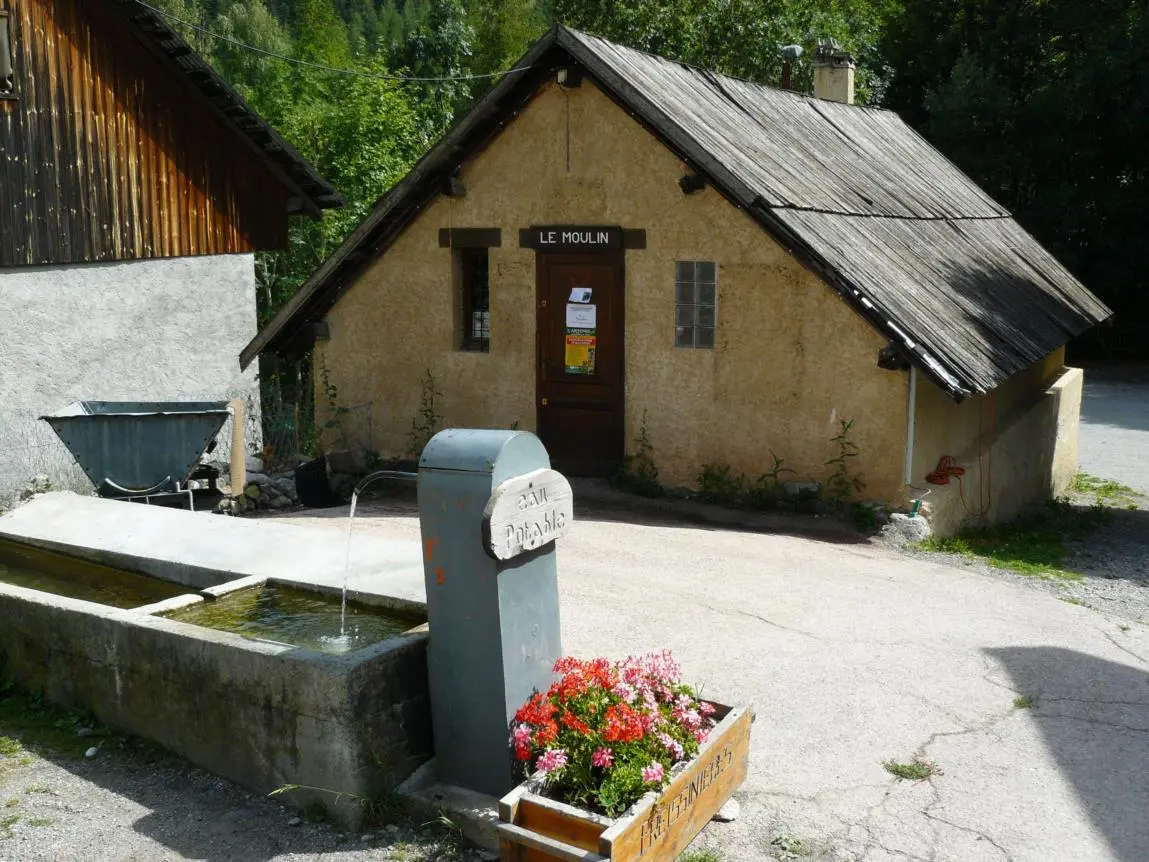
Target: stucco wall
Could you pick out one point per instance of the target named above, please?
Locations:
(1018, 445)
(135, 330)
(791, 358)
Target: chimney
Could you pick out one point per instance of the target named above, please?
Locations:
(833, 72)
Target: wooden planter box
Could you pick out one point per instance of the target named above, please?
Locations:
(659, 827)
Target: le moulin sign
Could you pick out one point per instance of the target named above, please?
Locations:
(527, 512)
(568, 237)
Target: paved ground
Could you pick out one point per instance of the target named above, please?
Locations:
(1114, 436)
(853, 656)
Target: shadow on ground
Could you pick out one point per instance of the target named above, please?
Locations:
(598, 501)
(1094, 718)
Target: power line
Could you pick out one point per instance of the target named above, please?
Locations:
(320, 66)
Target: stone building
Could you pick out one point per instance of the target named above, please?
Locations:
(135, 187)
(612, 239)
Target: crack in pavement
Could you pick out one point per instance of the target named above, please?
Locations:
(1099, 723)
(1126, 650)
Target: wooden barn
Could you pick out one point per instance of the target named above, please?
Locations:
(613, 245)
(135, 186)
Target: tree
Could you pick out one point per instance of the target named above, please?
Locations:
(1046, 105)
(743, 38)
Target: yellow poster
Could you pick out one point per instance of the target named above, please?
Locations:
(580, 351)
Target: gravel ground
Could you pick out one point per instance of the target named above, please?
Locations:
(127, 803)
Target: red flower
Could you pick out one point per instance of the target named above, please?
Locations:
(623, 724)
(569, 719)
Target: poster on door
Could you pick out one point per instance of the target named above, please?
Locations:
(581, 337)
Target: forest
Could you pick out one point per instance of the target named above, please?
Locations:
(1045, 103)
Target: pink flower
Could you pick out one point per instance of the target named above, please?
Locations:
(701, 735)
(705, 708)
(521, 735)
(552, 759)
(653, 774)
(672, 745)
(625, 691)
(603, 757)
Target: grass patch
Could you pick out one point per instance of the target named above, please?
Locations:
(1036, 545)
(28, 723)
(40, 821)
(916, 770)
(6, 824)
(1073, 600)
(1024, 701)
(1105, 492)
(700, 856)
(788, 847)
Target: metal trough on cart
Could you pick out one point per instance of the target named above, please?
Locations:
(141, 451)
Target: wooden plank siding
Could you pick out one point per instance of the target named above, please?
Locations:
(106, 154)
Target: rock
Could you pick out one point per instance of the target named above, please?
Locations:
(798, 489)
(252, 464)
(280, 502)
(260, 479)
(392, 828)
(728, 813)
(295, 821)
(348, 462)
(286, 487)
(92, 752)
(252, 492)
(905, 530)
(84, 731)
(366, 836)
(487, 855)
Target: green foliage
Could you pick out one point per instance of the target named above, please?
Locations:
(638, 472)
(717, 483)
(987, 82)
(333, 429)
(788, 847)
(700, 856)
(427, 420)
(742, 38)
(1024, 701)
(916, 770)
(843, 483)
(1105, 492)
(1036, 545)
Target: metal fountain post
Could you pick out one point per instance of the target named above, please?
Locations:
(490, 509)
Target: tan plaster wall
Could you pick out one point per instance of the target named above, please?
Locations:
(791, 358)
(1025, 433)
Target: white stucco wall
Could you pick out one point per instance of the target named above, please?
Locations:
(168, 329)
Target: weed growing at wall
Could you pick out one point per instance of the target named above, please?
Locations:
(427, 420)
(333, 426)
(843, 483)
(638, 472)
(719, 484)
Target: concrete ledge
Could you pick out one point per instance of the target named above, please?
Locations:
(477, 814)
(202, 551)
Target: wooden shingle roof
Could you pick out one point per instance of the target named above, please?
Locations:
(922, 253)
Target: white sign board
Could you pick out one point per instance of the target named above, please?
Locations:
(582, 316)
(527, 512)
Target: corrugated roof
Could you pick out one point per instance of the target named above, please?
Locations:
(912, 243)
(283, 160)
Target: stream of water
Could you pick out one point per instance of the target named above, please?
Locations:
(363, 483)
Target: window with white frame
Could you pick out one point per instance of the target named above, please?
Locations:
(695, 303)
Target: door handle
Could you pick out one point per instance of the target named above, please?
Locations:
(546, 402)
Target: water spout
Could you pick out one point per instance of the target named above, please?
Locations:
(370, 478)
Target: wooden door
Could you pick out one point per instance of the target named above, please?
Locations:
(580, 368)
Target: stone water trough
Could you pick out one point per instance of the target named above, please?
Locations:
(265, 714)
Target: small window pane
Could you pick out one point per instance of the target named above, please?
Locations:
(706, 315)
(684, 336)
(705, 337)
(706, 294)
(684, 315)
(686, 270)
(706, 271)
(684, 293)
